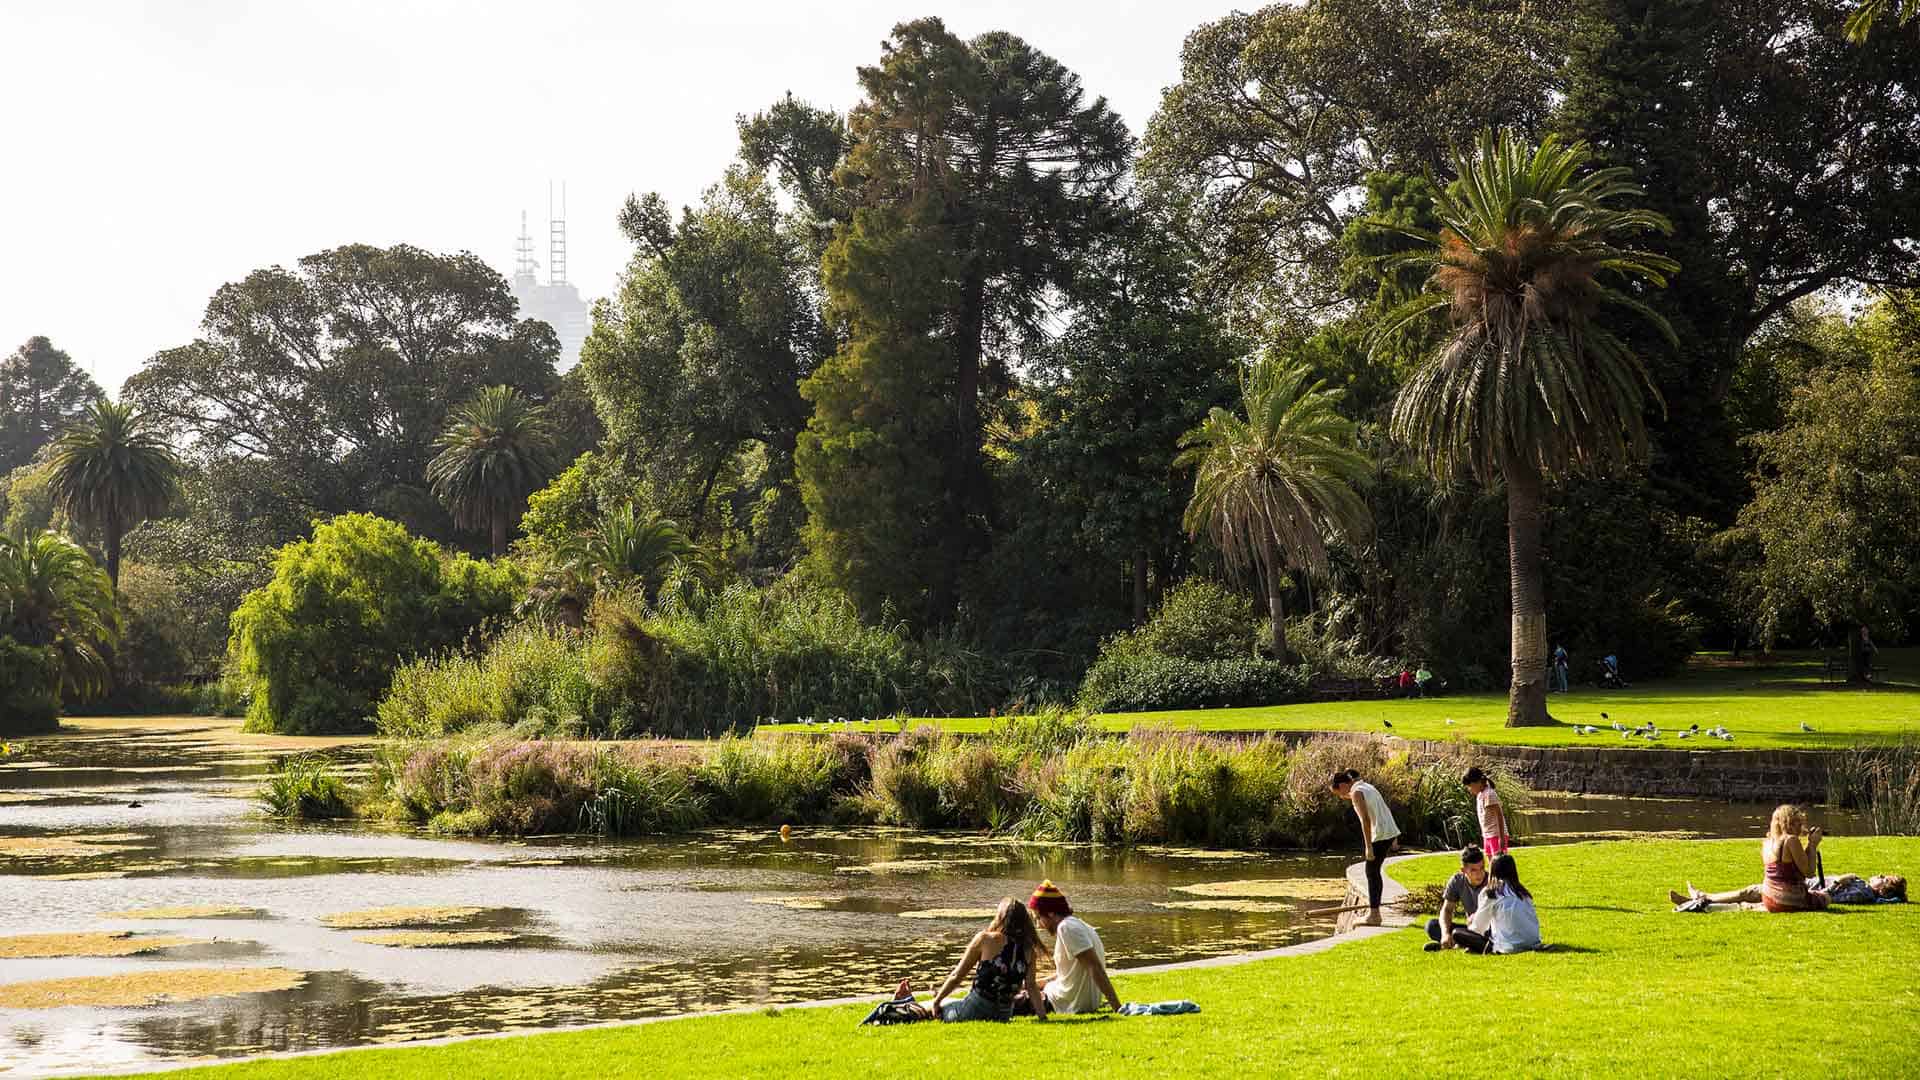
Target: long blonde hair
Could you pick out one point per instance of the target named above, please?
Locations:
(1788, 820)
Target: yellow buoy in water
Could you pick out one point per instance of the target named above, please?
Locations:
(786, 832)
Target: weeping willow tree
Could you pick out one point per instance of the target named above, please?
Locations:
(1270, 487)
(1531, 382)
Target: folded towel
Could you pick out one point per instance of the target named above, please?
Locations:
(1158, 1008)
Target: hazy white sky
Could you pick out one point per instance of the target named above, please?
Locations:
(154, 151)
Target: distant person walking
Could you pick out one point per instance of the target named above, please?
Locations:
(1378, 832)
(1864, 653)
(1558, 668)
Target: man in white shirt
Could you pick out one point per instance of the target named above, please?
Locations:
(1080, 979)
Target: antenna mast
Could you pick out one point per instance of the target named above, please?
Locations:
(557, 237)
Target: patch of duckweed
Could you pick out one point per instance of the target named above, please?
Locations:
(7, 797)
(147, 987)
(68, 847)
(913, 866)
(385, 917)
(1288, 888)
(86, 875)
(951, 913)
(798, 903)
(1209, 854)
(87, 943)
(436, 939)
(185, 911)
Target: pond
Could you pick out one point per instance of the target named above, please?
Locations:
(151, 832)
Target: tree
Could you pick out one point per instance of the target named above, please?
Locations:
(695, 365)
(1270, 487)
(1140, 364)
(113, 470)
(339, 373)
(496, 451)
(53, 598)
(1837, 489)
(1531, 383)
(41, 391)
(987, 154)
(1280, 114)
(625, 546)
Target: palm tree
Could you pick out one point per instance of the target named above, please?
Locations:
(1529, 384)
(626, 546)
(52, 593)
(496, 451)
(1270, 487)
(1860, 23)
(112, 470)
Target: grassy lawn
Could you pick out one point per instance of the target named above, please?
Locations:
(1762, 704)
(1632, 990)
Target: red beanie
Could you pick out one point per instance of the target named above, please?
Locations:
(1049, 900)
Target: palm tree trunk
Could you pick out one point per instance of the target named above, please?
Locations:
(499, 526)
(1276, 600)
(112, 529)
(1527, 694)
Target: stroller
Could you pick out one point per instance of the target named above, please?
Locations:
(1610, 677)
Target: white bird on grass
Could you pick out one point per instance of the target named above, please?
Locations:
(1686, 735)
(1804, 726)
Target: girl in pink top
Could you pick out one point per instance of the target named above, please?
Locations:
(1494, 837)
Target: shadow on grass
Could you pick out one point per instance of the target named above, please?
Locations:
(1595, 907)
(1563, 947)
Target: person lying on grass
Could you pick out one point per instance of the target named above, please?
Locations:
(1000, 958)
(1494, 838)
(1506, 912)
(1462, 893)
(1080, 979)
(1378, 833)
(1842, 889)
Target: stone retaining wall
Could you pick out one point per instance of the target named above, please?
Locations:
(1746, 775)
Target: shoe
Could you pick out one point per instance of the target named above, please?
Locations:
(1677, 897)
(1431, 946)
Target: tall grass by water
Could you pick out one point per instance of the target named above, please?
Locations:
(1052, 776)
(1881, 781)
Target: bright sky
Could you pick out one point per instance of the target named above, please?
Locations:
(157, 150)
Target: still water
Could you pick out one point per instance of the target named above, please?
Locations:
(558, 930)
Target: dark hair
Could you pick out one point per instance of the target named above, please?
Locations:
(1012, 920)
(1471, 855)
(1343, 776)
(1504, 870)
(1474, 776)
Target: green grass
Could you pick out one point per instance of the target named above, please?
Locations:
(1762, 704)
(1632, 991)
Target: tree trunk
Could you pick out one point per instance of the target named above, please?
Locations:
(1859, 660)
(112, 529)
(1276, 602)
(1140, 587)
(1527, 694)
(499, 526)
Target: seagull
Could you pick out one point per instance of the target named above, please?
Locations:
(1804, 726)
(1449, 721)
(1686, 735)
(1625, 734)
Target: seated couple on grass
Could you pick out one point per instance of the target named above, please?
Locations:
(1500, 913)
(1001, 959)
(1789, 855)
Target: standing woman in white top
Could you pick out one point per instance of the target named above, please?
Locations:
(1377, 831)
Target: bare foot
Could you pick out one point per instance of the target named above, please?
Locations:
(904, 990)
(1372, 919)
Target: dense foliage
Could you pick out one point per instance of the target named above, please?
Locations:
(316, 646)
(41, 392)
(58, 625)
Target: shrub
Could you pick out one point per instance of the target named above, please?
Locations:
(29, 688)
(1126, 679)
(306, 787)
(317, 645)
(1199, 620)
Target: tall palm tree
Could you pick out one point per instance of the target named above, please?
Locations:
(496, 451)
(113, 470)
(626, 546)
(1269, 488)
(1530, 382)
(52, 593)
